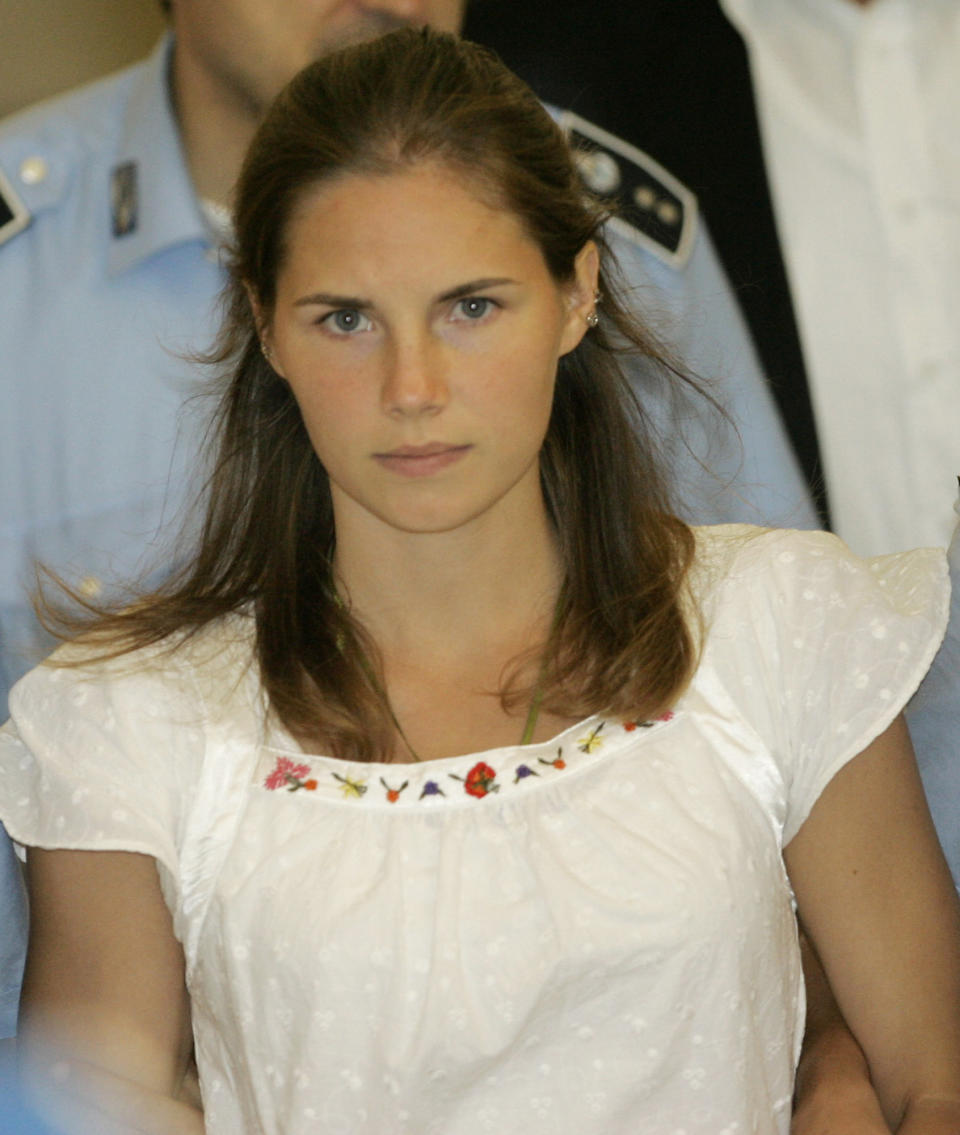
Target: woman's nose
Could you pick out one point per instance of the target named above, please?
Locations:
(414, 381)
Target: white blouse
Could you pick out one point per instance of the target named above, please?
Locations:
(594, 934)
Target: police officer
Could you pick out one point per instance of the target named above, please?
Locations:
(112, 217)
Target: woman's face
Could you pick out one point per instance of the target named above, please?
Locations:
(419, 331)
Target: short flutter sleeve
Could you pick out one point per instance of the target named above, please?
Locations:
(101, 757)
(818, 648)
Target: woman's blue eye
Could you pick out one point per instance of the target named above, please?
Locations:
(474, 307)
(347, 320)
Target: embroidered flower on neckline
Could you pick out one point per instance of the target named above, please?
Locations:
(479, 780)
(393, 794)
(350, 787)
(631, 725)
(592, 741)
(287, 774)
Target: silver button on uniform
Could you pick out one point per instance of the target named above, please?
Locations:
(34, 170)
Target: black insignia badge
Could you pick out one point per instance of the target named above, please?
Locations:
(14, 215)
(124, 198)
(654, 209)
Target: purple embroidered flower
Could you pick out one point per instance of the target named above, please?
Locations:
(523, 771)
(431, 788)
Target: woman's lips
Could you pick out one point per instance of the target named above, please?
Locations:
(421, 460)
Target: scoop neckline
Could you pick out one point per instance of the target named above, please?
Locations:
(467, 778)
(290, 748)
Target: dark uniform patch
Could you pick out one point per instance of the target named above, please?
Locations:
(14, 215)
(653, 208)
(124, 199)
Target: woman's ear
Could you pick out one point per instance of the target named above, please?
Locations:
(263, 329)
(582, 297)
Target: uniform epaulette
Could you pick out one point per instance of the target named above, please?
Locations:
(14, 215)
(654, 209)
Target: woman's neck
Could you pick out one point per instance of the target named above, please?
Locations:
(489, 584)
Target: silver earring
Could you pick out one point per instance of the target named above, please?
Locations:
(592, 318)
(265, 351)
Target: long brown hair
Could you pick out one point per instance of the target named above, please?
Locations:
(621, 642)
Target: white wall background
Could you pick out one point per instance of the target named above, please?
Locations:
(47, 46)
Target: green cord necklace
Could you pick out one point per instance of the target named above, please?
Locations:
(533, 712)
(525, 737)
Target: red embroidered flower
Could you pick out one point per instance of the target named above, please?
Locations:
(631, 725)
(479, 780)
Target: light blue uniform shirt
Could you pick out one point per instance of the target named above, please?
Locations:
(934, 719)
(97, 434)
(93, 459)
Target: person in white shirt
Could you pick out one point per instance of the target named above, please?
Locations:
(858, 105)
(278, 808)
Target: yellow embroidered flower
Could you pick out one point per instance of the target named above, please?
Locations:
(592, 741)
(351, 788)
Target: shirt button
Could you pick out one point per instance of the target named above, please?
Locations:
(929, 371)
(33, 170)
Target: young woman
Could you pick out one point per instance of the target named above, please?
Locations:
(455, 786)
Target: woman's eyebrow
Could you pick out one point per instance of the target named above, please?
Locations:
(474, 286)
(329, 299)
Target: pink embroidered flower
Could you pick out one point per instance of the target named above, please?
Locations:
(287, 774)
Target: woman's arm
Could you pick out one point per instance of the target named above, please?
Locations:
(834, 1094)
(105, 1036)
(876, 898)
